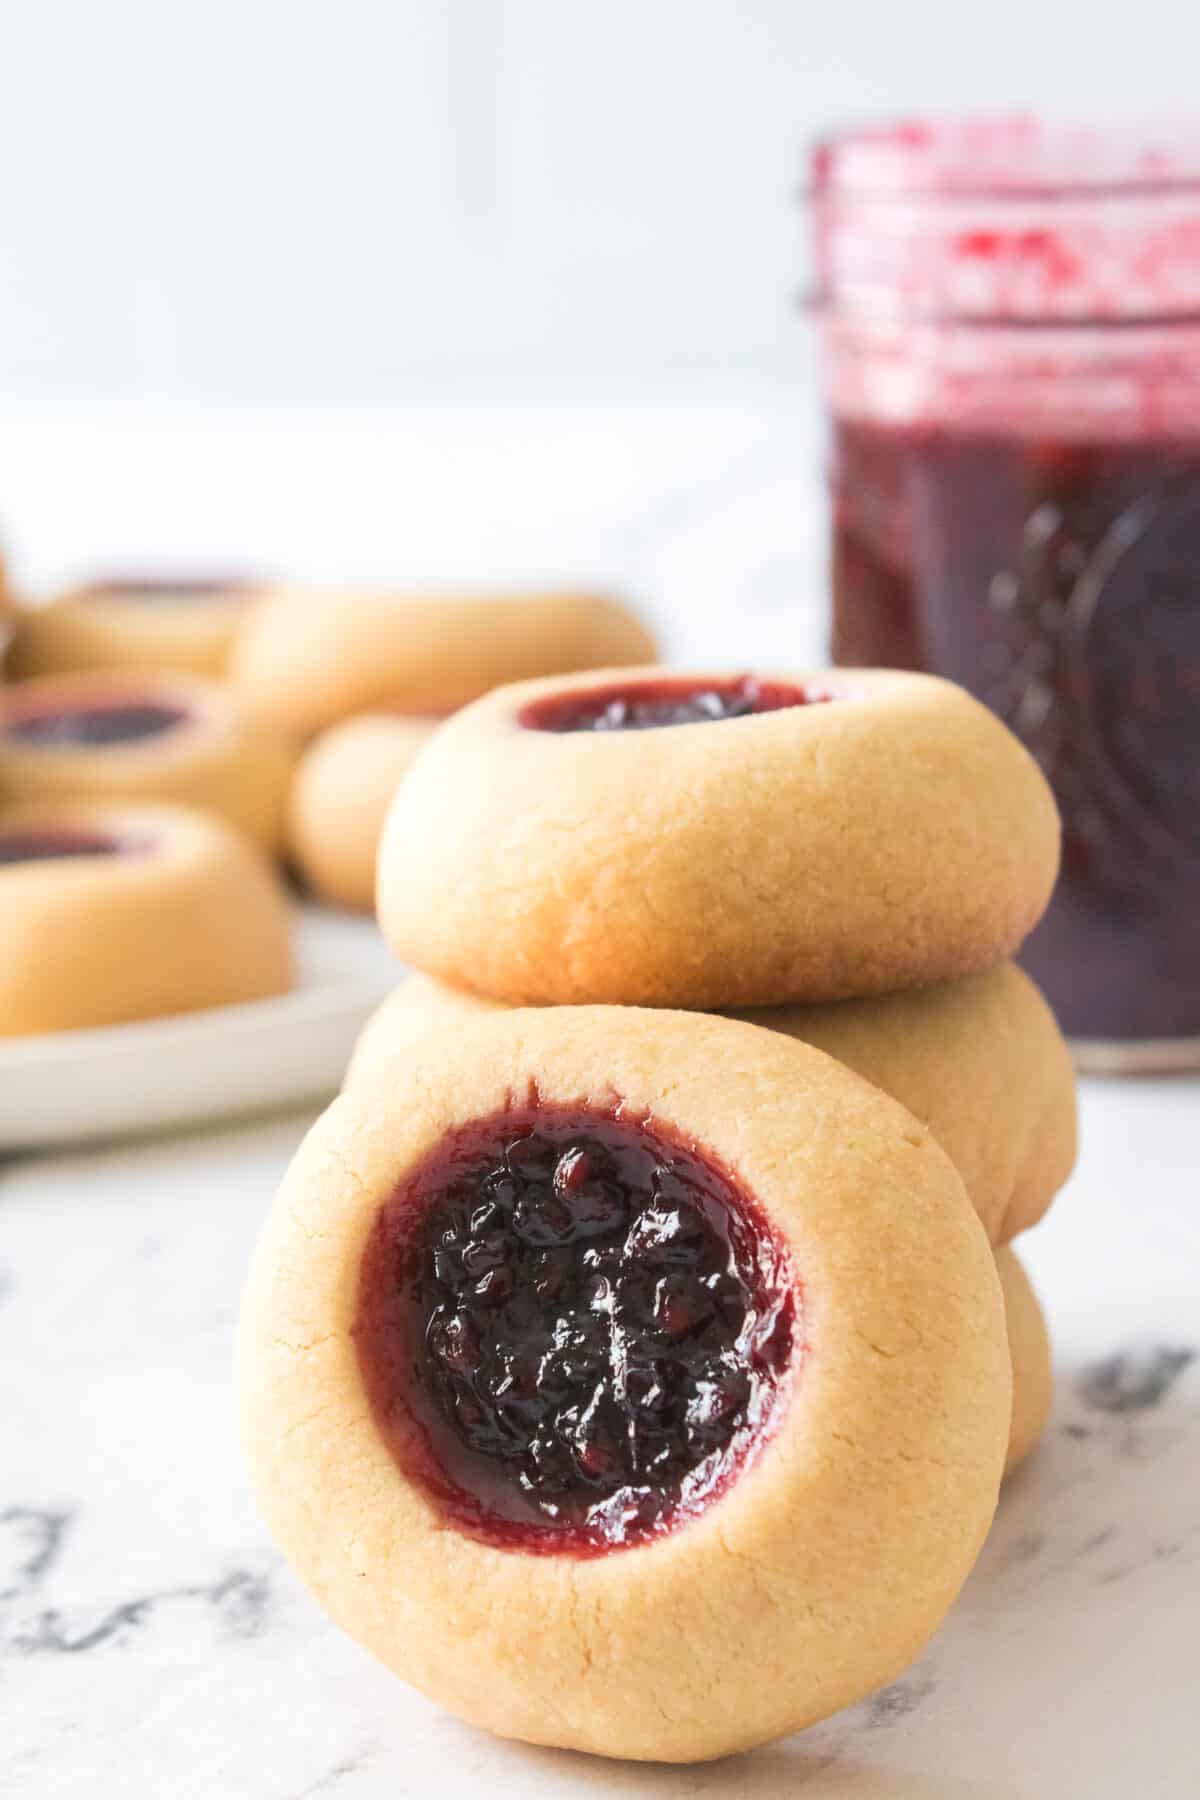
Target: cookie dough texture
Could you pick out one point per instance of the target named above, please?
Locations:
(979, 1060)
(195, 918)
(306, 660)
(825, 1566)
(896, 835)
(1032, 1363)
(216, 759)
(339, 799)
(133, 626)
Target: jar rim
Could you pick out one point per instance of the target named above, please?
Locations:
(1008, 219)
(1018, 157)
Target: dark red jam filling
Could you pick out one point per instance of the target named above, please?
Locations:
(649, 704)
(1057, 581)
(176, 588)
(574, 1330)
(94, 726)
(48, 846)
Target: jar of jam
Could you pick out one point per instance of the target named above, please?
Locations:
(1010, 323)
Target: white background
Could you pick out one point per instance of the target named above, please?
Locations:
(299, 202)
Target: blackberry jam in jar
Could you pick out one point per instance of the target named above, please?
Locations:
(1010, 321)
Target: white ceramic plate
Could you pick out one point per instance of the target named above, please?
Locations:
(71, 1086)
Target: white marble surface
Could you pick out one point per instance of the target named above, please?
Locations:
(152, 1644)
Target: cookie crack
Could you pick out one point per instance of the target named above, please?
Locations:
(282, 1343)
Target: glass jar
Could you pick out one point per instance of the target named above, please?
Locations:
(1010, 322)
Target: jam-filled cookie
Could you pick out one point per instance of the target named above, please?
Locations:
(115, 913)
(980, 1060)
(1032, 1364)
(173, 738)
(307, 660)
(339, 799)
(142, 622)
(630, 1381)
(716, 841)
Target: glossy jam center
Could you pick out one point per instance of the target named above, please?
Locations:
(648, 704)
(96, 726)
(573, 1329)
(48, 846)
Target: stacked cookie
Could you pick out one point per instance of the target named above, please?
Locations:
(853, 871)
(634, 1353)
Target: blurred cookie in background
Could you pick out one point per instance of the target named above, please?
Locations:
(139, 736)
(306, 660)
(339, 799)
(187, 623)
(121, 912)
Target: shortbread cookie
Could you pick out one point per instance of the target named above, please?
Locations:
(150, 737)
(307, 660)
(633, 1382)
(339, 800)
(980, 1060)
(1032, 1364)
(114, 913)
(135, 623)
(716, 841)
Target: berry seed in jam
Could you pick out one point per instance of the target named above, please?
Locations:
(95, 726)
(49, 846)
(650, 704)
(574, 1330)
